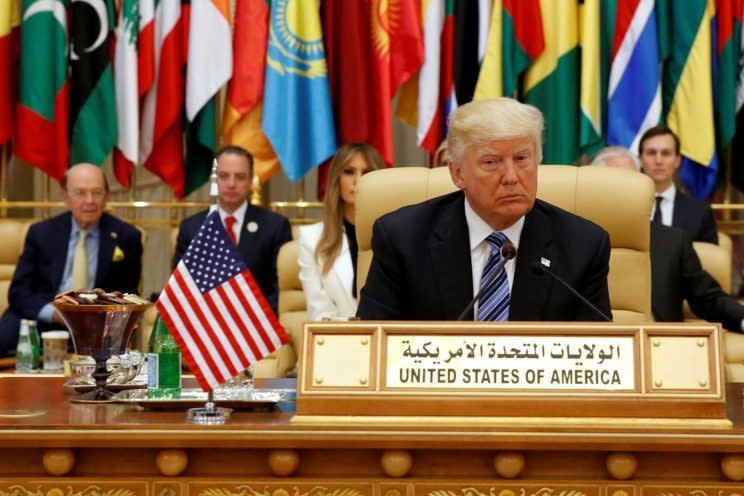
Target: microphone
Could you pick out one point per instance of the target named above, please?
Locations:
(541, 267)
(508, 251)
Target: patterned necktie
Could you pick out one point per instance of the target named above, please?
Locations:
(493, 305)
(80, 263)
(657, 212)
(229, 223)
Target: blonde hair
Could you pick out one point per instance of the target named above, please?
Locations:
(331, 238)
(497, 119)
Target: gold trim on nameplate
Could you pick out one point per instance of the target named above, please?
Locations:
(429, 421)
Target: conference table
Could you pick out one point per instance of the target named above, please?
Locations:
(50, 446)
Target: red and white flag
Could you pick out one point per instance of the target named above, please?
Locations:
(215, 310)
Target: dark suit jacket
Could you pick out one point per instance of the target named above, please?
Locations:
(676, 275)
(259, 249)
(40, 268)
(421, 269)
(695, 217)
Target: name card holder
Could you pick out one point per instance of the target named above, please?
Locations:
(434, 371)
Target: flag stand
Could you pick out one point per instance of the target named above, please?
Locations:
(210, 414)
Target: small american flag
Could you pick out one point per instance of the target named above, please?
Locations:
(215, 310)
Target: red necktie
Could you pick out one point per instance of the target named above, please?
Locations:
(229, 223)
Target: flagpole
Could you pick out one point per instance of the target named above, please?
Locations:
(4, 180)
(300, 198)
(727, 194)
(209, 413)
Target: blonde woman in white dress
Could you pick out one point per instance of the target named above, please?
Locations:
(328, 250)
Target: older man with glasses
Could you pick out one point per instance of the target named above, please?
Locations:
(81, 248)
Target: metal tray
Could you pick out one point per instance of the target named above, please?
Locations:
(85, 388)
(192, 398)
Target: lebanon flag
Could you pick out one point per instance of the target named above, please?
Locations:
(209, 68)
(125, 89)
(9, 27)
(161, 147)
(146, 46)
(43, 88)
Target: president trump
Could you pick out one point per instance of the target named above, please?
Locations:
(430, 260)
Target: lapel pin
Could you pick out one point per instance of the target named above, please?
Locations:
(544, 261)
(251, 227)
(114, 235)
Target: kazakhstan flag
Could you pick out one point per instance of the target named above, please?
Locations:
(297, 114)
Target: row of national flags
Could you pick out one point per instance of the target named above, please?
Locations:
(141, 79)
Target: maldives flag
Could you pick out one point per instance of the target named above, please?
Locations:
(43, 88)
(9, 27)
(161, 146)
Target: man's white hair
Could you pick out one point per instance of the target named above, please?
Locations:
(496, 119)
(615, 151)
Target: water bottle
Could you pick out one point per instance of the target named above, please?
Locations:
(33, 334)
(24, 351)
(163, 363)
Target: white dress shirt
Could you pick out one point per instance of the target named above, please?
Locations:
(667, 205)
(239, 215)
(480, 249)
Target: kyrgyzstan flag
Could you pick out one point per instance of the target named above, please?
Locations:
(43, 88)
(372, 47)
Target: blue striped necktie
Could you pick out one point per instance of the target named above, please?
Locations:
(493, 305)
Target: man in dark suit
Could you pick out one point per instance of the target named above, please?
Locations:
(82, 248)
(430, 259)
(258, 233)
(660, 159)
(676, 272)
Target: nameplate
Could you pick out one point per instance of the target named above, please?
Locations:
(510, 363)
(511, 369)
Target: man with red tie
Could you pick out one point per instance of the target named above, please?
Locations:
(258, 233)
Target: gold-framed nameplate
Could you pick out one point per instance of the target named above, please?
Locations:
(511, 370)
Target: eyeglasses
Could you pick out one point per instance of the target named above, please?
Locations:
(96, 194)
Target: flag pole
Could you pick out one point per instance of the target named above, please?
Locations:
(209, 413)
(727, 194)
(4, 180)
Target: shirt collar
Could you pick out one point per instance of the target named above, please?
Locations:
(75, 229)
(669, 193)
(479, 230)
(239, 214)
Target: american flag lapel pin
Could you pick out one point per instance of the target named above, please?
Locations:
(544, 262)
(251, 227)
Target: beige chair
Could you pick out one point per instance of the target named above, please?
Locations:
(13, 234)
(618, 200)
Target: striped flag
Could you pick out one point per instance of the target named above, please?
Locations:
(215, 310)
(592, 72)
(209, 68)
(552, 81)
(688, 93)
(634, 92)
(9, 28)
(146, 46)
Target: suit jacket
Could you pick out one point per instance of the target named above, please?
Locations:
(329, 294)
(676, 275)
(259, 249)
(695, 217)
(421, 268)
(40, 268)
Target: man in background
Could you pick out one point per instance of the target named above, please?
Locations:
(660, 159)
(676, 272)
(258, 233)
(431, 259)
(81, 248)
